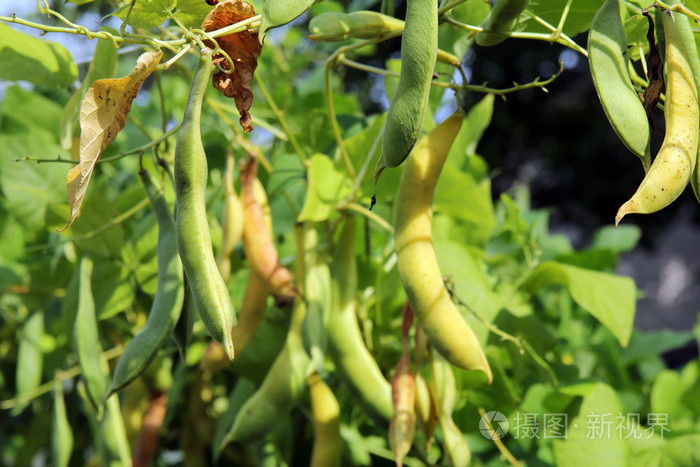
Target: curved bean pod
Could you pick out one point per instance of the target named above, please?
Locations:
(346, 348)
(257, 241)
(674, 164)
(167, 303)
(209, 291)
(281, 389)
(420, 274)
(607, 57)
(326, 417)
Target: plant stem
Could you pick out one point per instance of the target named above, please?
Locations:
(283, 121)
(497, 441)
(467, 87)
(368, 214)
(60, 376)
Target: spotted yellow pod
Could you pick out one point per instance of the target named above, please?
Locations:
(674, 164)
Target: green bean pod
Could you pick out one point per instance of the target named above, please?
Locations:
(61, 433)
(209, 290)
(316, 293)
(281, 389)
(167, 303)
(334, 26)
(404, 121)
(87, 342)
(501, 20)
(30, 358)
(346, 348)
(607, 57)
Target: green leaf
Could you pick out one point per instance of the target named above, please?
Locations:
(475, 123)
(683, 451)
(648, 343)
(326, 187)
(26, 58)
(579, 19)
(28, 187)
(148, 14)
(241, 392)
(589, 441)
(191, 13)
(103, 65)
(453, 188)
(617, 239)
(667, 398)
(609, 298)
(279, 12)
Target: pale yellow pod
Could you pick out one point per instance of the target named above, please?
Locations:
(420, 274)
(671, 170)
(328, 445)
(231, 221)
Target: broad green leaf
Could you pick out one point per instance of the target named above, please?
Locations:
(475, 123)
(103, 65)
(453, 188)
(30, 358)
(61, 432)
(609, 298)
(30, 113)
(681, 451)
(38, 61)
(147, 14)
(29, 187)
(191, 13)
(279, 12)
(326, 187)
(579, 19)
(667, 398)
(617, 239)
(591, 439)
(645, 344)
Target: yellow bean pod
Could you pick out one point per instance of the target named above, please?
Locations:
(420, 274)
(674, 164)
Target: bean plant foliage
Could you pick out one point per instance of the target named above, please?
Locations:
(290, 152)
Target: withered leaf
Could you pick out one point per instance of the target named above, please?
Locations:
(103, 115)
(243, 48)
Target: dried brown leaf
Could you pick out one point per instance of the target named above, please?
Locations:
(103, 115)
(244, 50)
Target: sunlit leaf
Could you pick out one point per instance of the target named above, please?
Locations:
(609, 298)
(326, 187)
(26, 58)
